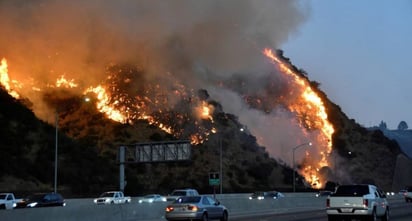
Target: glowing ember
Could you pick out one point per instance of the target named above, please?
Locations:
(312, 115)
(63, 82)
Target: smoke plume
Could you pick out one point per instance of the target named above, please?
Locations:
(200, 43)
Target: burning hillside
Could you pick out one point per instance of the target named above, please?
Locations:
(186, 114)
(138, 64)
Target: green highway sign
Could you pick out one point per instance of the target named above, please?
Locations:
(214, 179)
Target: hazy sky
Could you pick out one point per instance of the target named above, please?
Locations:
(360, 52)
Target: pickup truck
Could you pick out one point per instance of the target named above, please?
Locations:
(364, 202)
(8, 201)
(112, 197)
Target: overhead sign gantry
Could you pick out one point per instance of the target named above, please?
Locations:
(165, 151)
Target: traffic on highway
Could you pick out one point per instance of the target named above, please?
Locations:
(290, 207)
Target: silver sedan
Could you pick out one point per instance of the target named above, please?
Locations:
(196, 208)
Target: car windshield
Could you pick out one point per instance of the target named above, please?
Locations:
(352, 190)
(257, 194)
(179, 193)
(190, 199)
(107, 194)
(36, 197)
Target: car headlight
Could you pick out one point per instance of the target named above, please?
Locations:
(140, 201)
(32, 204)
(95, 200)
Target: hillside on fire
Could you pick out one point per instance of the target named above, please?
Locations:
(89, 137)
(88, 143)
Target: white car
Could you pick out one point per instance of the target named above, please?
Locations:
(8, 201)
(181, 192)
(152, 198)
(112, 197)
(358, 201)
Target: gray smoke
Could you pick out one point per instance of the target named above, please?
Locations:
(46, 38)
(199, 42)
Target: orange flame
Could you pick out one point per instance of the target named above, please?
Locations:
(63, 82)
(103, 104)
(312, 114)
(205, 110)
(5, 80)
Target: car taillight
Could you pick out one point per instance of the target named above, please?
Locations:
(365, 203)
(328, 203)
(169, 209)
(193, 208)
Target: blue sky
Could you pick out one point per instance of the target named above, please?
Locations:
(361, 53)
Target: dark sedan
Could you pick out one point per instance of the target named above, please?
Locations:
(42, 200)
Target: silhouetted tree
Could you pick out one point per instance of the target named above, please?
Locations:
(382, 126)
(402, 125)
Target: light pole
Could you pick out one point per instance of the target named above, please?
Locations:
(293, 162)
(86, 99)
(55, 152)
(221, 169)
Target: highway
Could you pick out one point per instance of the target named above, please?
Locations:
(400, 211)
(294, 206)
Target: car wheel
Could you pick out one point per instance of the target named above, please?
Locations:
(205, 217)
(385, 217)
(224, 216)
(373, 216)
(112, 202)
(331, 218)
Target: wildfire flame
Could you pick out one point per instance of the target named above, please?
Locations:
(103, 104)
(5, 80)
(205, 111)
(152, 105)
(311, 112)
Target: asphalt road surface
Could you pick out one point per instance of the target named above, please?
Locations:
(399, 211)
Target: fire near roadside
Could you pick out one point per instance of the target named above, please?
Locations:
(311, 112)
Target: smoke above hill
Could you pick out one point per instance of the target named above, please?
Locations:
(203, 44)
